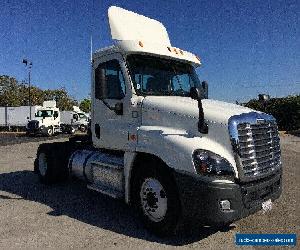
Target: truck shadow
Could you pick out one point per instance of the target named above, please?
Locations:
(73, 199)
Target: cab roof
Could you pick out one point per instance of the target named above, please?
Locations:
(137, 34)
(139, 47)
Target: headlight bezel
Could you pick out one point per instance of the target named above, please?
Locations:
(209, 163)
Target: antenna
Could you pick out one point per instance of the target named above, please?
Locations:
(91, 49)
(91, 30)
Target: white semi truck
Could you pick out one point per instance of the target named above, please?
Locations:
(76, 118)
(49, 120)
(159, 144)
(46, 120)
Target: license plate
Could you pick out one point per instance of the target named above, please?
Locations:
(267, 205)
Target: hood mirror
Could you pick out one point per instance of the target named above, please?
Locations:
(195, 93)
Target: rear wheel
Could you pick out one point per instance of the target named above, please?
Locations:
(51, 163)
(157, 200)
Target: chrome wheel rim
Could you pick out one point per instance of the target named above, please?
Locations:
(153, 199)
(43, 164)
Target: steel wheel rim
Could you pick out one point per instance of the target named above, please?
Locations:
(153, 199)
(43, 164)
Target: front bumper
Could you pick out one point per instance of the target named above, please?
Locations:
(200, 199)
(35, 131)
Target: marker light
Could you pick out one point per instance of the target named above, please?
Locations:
(141, 44)
(181, 52)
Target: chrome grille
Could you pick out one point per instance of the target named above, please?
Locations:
(259, 147)
(255, 141)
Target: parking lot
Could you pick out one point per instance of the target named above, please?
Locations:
(68, 215)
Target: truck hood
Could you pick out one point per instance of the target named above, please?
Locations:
(179, 112)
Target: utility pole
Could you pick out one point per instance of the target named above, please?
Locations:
(29, 66)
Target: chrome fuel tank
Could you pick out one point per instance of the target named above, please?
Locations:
(101, 169)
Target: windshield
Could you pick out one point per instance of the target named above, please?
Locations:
(157, 76)
(44, 113)
(82, 116)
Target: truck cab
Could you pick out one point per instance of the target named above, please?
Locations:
(46, 120)
(160, 144)
(77, 119)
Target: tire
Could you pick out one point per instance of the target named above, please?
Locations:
(49, 131)
(156, 199)
(72, 131)
(51, 163)
(83, 128)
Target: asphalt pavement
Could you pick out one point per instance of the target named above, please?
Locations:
(68, 215)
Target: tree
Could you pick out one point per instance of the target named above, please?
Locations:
(63, 100)
(85, 105)
(286, 110)
(10, 89)
(14, 93)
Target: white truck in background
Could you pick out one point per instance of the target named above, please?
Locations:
(159, 144)
(49, 120)
(46, 120)
(76, 118)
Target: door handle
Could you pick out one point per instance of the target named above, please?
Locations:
(97, 130)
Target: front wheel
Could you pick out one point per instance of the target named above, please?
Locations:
(83, 128)
(49, 131)
(158, 203)
(72, 131)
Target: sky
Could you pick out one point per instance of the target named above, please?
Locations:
(246, 47)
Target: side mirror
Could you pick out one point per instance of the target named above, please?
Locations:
(75, 117)
(101, 84)
(205, 90)
(118, 108)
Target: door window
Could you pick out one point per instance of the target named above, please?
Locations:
(109, 81)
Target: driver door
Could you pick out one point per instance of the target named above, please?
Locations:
(112, 123)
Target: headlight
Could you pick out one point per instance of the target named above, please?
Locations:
(209, 163)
